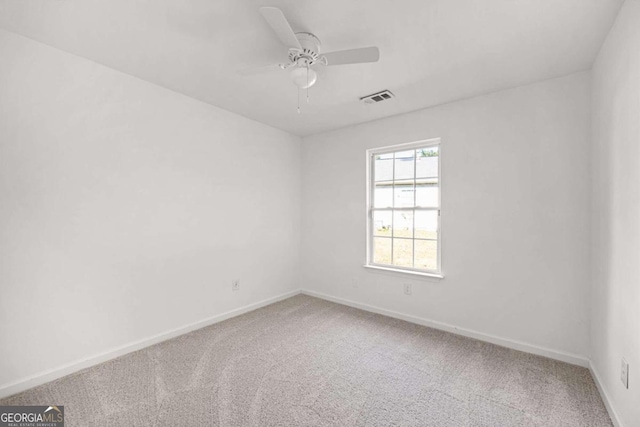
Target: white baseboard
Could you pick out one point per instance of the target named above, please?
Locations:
(615, 419)
(574, 359)
(70, 368)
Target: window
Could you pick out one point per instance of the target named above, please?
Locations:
(403, 218)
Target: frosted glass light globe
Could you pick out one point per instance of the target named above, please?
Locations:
(301, 79)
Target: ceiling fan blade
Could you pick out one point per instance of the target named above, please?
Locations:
(277, 21)
(352, 56)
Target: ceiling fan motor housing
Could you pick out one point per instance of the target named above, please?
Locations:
(310, 50)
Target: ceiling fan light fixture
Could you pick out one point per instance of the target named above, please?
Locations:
(304, 77)
(304, 51)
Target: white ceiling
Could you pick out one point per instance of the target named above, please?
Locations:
(431, 51)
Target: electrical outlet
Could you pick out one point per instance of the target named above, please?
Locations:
(407, 289)
(235, 285)
(354, 283)
(624, 373)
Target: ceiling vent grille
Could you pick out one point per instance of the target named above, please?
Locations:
(377, 97)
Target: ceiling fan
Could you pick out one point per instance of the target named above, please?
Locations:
(304, 51)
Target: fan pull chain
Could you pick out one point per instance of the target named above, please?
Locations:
(307, 88)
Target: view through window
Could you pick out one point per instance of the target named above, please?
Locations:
(404, 207)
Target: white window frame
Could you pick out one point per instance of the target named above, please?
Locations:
(371, 153)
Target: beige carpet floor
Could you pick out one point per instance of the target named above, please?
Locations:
(309, 362)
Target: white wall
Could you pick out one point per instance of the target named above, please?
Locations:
(127, 209)
(615, 303)
(515, 214)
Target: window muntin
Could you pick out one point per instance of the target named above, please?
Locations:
(404, 207)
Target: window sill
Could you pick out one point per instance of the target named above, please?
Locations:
(398, 270)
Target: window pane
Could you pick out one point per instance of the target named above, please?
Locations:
(426, 224)
(382, 223)
(404, 228)
(426, 256)
(404, 164)
(403, 224)
(381, 250)
(383, 196)
(427, 162)
(427, 193)
(383, 167)
(403, 252)
(403, 194)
